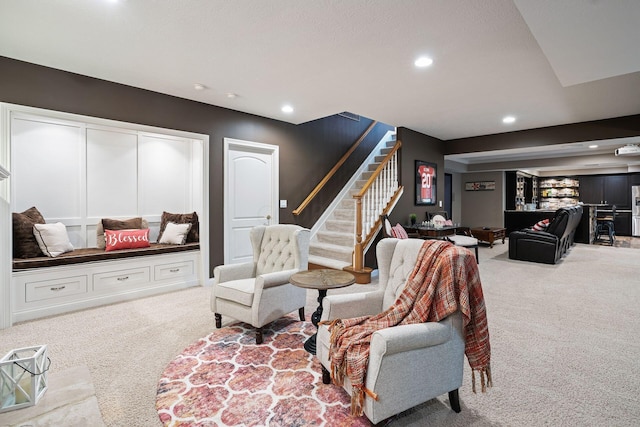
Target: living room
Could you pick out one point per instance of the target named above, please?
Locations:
(55, 86)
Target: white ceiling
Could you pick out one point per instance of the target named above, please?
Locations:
(547, 62)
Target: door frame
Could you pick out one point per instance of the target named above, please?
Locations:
(238, 145)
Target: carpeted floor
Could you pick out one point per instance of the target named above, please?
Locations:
(564, 347)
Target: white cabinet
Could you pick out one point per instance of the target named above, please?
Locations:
(54, 290)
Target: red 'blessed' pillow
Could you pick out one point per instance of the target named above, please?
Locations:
(126, 239)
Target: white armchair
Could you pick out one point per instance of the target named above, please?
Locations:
(259, 292)
(408, 364)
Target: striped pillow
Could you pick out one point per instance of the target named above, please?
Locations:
(399, 232)
(541, 225)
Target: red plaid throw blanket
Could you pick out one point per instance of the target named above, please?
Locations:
(441, 283)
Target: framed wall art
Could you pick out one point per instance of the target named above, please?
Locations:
(480, 186)
(426, 174)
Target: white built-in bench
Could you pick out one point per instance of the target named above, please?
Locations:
(89, 277)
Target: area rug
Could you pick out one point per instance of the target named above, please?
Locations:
(226, 379)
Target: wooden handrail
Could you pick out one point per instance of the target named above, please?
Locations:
(375, 174)
(333, 171)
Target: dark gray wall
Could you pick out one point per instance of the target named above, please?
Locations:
(416, 146)
(307, 151)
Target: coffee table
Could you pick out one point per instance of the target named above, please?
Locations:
(489, 234)
(321, 279)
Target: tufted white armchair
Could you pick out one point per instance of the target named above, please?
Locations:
(259, 292)
(408, 364)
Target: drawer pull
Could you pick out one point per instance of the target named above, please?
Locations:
(174, 270)
(59, 288)
(122, 279)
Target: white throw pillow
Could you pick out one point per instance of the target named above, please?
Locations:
(175, 234)
(52, 238)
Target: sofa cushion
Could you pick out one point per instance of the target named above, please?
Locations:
(541, 225)
(191, 218)
(52, 238)
(175, 234)
(117, 224)
(25, 244)
(126, 239)
(239, 291)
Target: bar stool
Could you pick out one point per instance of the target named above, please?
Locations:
(605, 226)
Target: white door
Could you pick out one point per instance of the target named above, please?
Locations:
(250, 194)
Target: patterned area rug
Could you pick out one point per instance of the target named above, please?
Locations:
(226, 379)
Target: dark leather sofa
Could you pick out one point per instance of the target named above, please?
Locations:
(548, 246)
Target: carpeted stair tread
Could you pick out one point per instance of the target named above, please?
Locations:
(328, 262)
(344, 214)
(328, 250)
(335, 237)
(342, 226)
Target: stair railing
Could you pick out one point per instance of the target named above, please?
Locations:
(377, 197)
(333, 171)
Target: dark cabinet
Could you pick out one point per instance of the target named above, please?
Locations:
(592, 189)
(605, 189)
(616, 191)
(622, 223)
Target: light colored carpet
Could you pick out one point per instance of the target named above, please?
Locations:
(565, 351)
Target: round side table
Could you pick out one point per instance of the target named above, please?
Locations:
(322, 280)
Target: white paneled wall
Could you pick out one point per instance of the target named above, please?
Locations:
(78, 173)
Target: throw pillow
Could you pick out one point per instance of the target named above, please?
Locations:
(541, 225)
(25, 244)
(192, 218)
(126, 239)
(117, 224)
(175, 234)
(388, 229)
(400, 232)
(52, 238)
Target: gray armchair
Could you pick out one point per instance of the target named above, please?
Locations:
(259, 292)
(408, 364)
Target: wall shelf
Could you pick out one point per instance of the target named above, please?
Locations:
(558, 192)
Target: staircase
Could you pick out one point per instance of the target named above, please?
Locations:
(333, 236)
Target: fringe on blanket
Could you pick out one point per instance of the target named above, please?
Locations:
(485, 378)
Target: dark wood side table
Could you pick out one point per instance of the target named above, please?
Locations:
(489, 234)
(322, 280)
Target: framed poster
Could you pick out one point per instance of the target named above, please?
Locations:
(426, 174)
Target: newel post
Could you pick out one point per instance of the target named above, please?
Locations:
(362, 273)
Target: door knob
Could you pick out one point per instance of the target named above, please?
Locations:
(268, 217)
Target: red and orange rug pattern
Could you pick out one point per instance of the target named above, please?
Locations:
(226, 379)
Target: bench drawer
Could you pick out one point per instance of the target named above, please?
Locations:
(48, 290)
(121, 279)
(175, 270)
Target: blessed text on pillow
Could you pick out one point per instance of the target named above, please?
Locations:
(126, 239)
(117, 224)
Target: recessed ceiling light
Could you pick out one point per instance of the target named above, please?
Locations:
(593, 146)
(423, 61)
(287, 109)
(199, 86)
(508, 119)
(232, 95)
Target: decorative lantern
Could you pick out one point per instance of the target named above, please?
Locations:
(23, 377)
